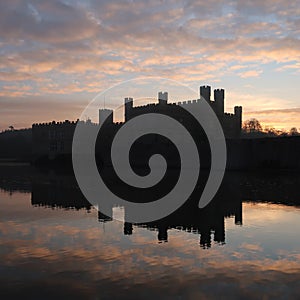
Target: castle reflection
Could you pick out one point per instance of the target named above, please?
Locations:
(60, 190)
(208, 223)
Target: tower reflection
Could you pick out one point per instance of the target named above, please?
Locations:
(59, 190)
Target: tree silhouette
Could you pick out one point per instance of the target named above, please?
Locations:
(294, 131)
(252, 125)
(271, 131)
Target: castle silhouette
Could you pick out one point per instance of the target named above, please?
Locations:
(231, 123)
(53, 140)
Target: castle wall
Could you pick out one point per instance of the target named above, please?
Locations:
(52, 139)
(231, 123)
(263, 153)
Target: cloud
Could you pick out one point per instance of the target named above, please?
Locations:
(287, 67)
(273, 111)
(23, 111)
(52, 44)
(251, 73)
(278, 118)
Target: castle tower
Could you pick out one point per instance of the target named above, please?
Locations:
(162, 98)
(219, 95)
(128, 107)
(105, 115)
(238, 115)
(205, 92)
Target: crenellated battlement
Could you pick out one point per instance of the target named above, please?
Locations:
(54, 123)
(188, 102)
(52, 139)
(229, 115)
(231, 122)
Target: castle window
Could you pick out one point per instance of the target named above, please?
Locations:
(53, 146)
(62, 146)
(51, 134)
(61, 135)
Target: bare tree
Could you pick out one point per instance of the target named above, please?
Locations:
(252, 125)
(293, 131)
(271, 131)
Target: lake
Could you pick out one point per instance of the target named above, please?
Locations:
(54, 244)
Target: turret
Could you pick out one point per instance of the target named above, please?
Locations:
(219, 100)
(128, 102)
(205, 92)
(238, 115)
(162, 98)
(105, 115)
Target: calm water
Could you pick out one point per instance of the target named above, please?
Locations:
(53, 244)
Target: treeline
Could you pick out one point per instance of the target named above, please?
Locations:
(16, 144)
(252, 129)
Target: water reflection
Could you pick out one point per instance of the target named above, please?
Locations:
(59, 189)
(52, 243)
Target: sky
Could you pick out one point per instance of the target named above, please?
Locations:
(56, 56)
